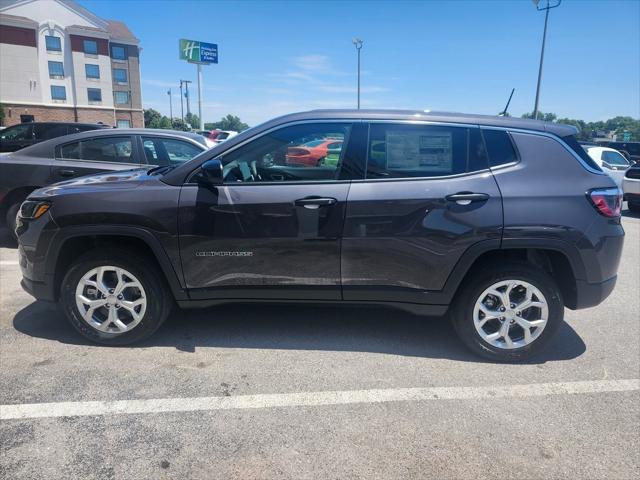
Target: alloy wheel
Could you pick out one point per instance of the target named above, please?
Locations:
(111, 299)
(510, 314)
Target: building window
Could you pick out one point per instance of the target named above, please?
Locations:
(118, 53)
(94, 94)
(121, 97)
(53, 43)
(56, 70)
(92, 71)
(91, 47)
(120, 75)
(124, 124)
(58, 92)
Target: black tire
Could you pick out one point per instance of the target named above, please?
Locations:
(159, 298)
(478, 282)
(10, 219)
(634, 207)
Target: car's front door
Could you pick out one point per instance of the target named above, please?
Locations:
(94, 155)
(428, 196)
(272, 230)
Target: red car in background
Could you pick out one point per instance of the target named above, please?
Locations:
(312, 153)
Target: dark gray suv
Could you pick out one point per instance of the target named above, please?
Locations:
(501, 222)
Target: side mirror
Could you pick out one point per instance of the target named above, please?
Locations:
(212, 172)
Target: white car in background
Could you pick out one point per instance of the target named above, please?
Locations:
(224, 135)
(610, 161)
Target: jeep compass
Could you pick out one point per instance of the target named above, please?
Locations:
(498, 222)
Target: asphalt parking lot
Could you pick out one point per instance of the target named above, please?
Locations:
(317, 392)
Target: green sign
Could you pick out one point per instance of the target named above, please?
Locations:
(198, 52)
(626, 136)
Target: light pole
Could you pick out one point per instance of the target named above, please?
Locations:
(170, 105)
(358, 44)
(544, 39)
(181, 103)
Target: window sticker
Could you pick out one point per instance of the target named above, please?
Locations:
(414, 151)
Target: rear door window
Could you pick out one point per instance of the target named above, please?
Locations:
(46, 131)
(403, 151)
(168, 151)
(102, 149)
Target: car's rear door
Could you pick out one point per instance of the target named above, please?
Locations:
(427, 198)
(95, 154)
(272, 230)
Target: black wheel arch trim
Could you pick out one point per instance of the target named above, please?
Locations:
(174, 280)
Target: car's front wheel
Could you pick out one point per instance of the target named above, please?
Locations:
(508, 313)
(115, 297)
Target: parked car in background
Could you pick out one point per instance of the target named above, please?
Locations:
(631, 188)
(314, 152)
(456, 213)
(89, 152)
(26, 134)
(631, 150)
(611, 161)
(222, 135)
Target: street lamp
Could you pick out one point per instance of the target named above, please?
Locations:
(170, 105)
(358, 44)
(544, 39)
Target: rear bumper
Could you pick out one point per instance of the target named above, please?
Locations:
(592, 294)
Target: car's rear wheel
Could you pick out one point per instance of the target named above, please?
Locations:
(508, 313)
(115, 297)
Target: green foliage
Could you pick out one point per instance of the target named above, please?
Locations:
(230, 122)
(178, 124)
(1, 113)
(588, 130)
(545, 117)
(154, 119)
(193, 120)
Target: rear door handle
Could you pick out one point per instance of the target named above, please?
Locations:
(314, 202)
(67, 173)
(465, 198)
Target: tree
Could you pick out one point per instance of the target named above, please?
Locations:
(545, 117)
(1, 114)
(230, 122)
(151, 116)
(178, 124)
(193, 120)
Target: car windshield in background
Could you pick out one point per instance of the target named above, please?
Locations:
(614, 158)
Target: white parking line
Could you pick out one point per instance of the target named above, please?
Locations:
(7, 263)
(310, 399)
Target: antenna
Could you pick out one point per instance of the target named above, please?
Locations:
(506, 107)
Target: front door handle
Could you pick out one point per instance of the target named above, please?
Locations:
(67, 173)
(314, 202)
(465, 198)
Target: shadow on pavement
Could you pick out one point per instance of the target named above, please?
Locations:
(297, 327)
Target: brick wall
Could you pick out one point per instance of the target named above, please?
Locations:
(61, 114)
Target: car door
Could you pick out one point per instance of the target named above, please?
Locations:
(93, 155)
(272, 230)
(428, 197)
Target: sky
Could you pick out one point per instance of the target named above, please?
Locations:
(278, 57)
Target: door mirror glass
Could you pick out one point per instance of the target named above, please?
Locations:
(212, 172)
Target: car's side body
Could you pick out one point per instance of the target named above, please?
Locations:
(408, 242)
(631, 187)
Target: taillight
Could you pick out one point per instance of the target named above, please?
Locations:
(607, 201)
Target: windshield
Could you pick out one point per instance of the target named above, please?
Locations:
(614, 158)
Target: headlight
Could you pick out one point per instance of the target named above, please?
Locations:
(32, 209)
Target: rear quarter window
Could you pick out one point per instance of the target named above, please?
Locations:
(500, 149)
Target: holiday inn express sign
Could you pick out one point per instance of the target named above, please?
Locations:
(198, 52)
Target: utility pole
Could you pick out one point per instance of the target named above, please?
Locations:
(358, 44)
(170, 105)
(181, 102)
(201, 126)
(544, 39)
(186, 94)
